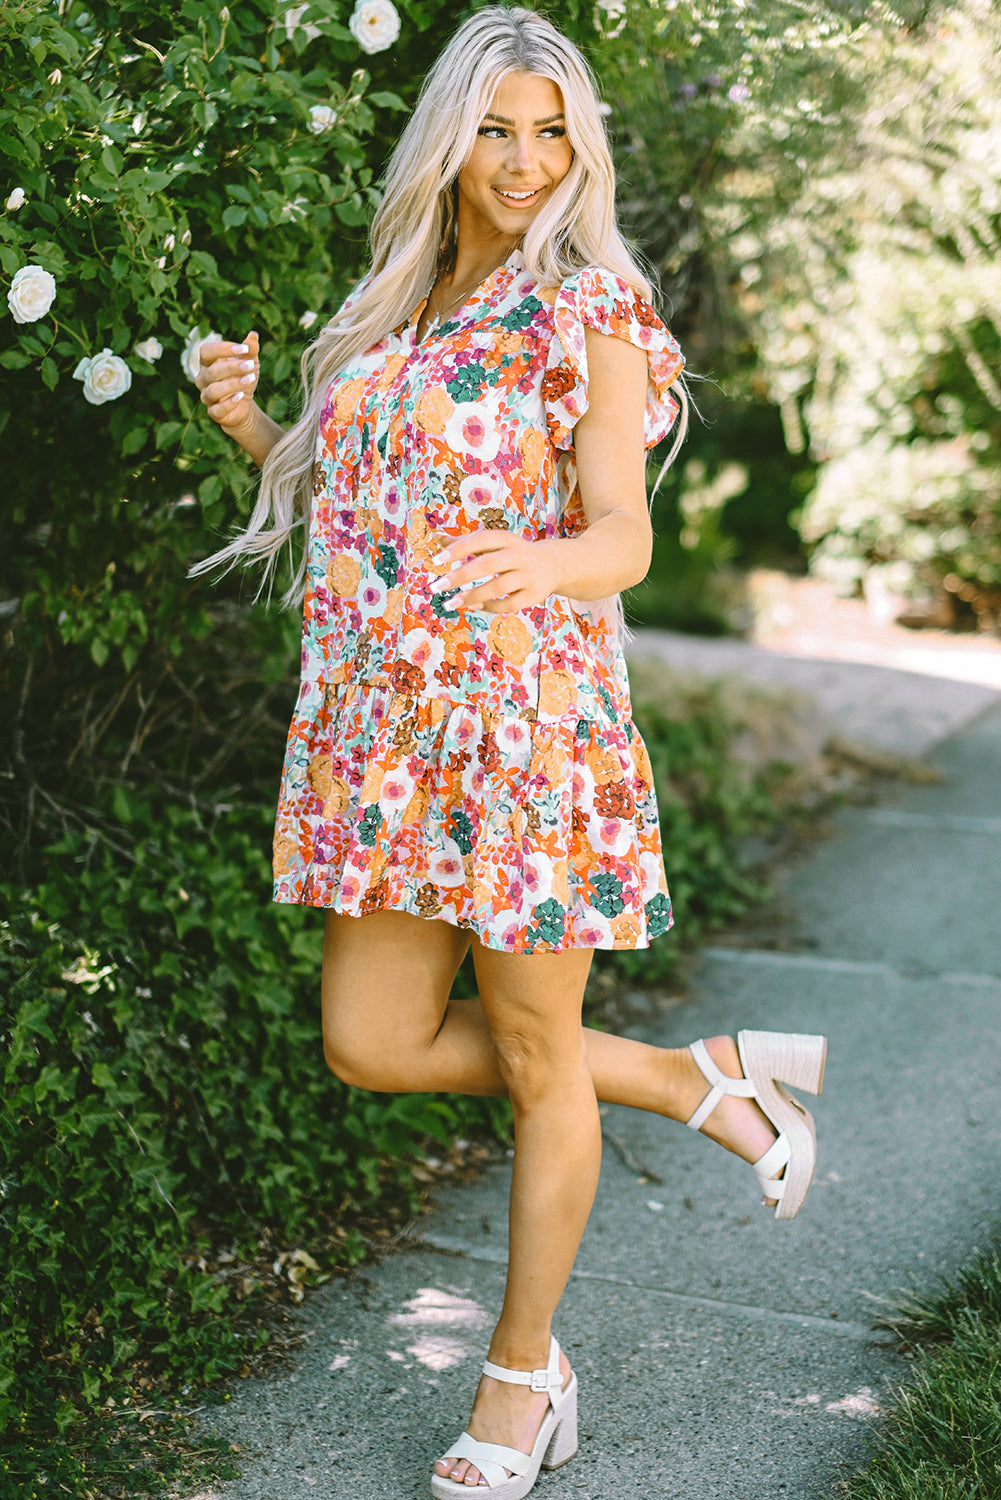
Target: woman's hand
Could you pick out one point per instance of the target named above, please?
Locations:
(517, 572)
(227, 379)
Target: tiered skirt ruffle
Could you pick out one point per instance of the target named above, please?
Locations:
(537, 835)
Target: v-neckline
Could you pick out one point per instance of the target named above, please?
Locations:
(512, 262)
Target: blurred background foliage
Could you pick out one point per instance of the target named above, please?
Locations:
(817, 186)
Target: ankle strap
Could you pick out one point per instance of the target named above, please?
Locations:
(549, 1380)
(720, 1084)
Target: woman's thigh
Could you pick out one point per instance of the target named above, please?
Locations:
(385, 986)
(532, 1004)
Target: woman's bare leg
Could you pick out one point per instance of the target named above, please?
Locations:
(388, 1025)
(532, 1003)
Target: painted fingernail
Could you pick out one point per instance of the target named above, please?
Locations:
(237, 395)
(247, 379)
(246, 364)
(241, 348)
(440, 560)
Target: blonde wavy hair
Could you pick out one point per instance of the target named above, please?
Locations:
(413, 233)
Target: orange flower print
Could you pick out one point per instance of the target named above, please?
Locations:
(433, 410)
(343, 575)
(346, 401)
(338, 798)
(510, 637)
(532, 447)
(318, 774)
(614, 800)
(557, 693)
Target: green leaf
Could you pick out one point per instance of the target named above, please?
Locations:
(99, 650)
(50, 373)
(111, 160)
(234, 216)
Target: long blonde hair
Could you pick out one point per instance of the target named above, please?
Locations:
(414, 224)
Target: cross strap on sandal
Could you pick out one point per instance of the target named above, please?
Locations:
(509, 1472)
(770, 1060)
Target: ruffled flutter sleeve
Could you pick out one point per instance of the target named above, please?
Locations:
(598, 299)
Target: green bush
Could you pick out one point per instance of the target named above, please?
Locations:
(163, 1077)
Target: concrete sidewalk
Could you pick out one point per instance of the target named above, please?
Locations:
(721, 1355)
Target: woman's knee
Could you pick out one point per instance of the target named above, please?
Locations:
(531, 1064)
(363, 1055)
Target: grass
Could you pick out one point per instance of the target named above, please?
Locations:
(942, 1441)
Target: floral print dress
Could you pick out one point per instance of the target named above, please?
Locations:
(474, 768)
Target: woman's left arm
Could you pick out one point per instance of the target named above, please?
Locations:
(614, 551)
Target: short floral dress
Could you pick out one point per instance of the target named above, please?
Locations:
(473, 768)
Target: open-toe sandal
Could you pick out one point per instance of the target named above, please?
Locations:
(509, 1472)
(771, 1060)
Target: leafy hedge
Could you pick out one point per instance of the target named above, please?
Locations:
(163, 1076)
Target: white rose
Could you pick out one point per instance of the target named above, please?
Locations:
(169, 243)
(308, 319)
(105, 377)
(16, 199)
(55, 77)
(149, 350)
(375, 24)
(321, 118)
(186, 237)
(293, 17)
(32, 293)
(190, 362)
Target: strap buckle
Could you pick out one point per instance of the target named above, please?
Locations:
(540, 1380)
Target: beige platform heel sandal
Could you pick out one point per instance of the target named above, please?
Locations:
(771, 1059)
(555, 1444)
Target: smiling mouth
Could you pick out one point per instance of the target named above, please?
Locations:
(518, 197)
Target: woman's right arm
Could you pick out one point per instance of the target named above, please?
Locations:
(227, 380)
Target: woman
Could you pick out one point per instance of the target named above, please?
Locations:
(462, 769)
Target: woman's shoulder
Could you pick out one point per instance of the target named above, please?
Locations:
(597, 290)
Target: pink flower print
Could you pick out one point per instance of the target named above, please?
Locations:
(445, 865)
(373, 595)
(395, 792)
(392, 502)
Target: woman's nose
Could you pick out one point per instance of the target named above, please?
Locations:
(522, 154)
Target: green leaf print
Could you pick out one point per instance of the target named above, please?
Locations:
(607, 896)
(550, 917)
(658, 914)
(521, 316)
(368, 828)
(462, 830)
(388, 566)
(466, 383)
(609, 703)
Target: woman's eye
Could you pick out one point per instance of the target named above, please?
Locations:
(488, 130)
(554, 131)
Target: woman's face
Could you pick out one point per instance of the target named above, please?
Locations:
(520, 157)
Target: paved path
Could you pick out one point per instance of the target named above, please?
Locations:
(722, 1356)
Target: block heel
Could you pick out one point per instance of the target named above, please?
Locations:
(773, 1062)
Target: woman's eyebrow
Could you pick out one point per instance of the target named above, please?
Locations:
(501, 120)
